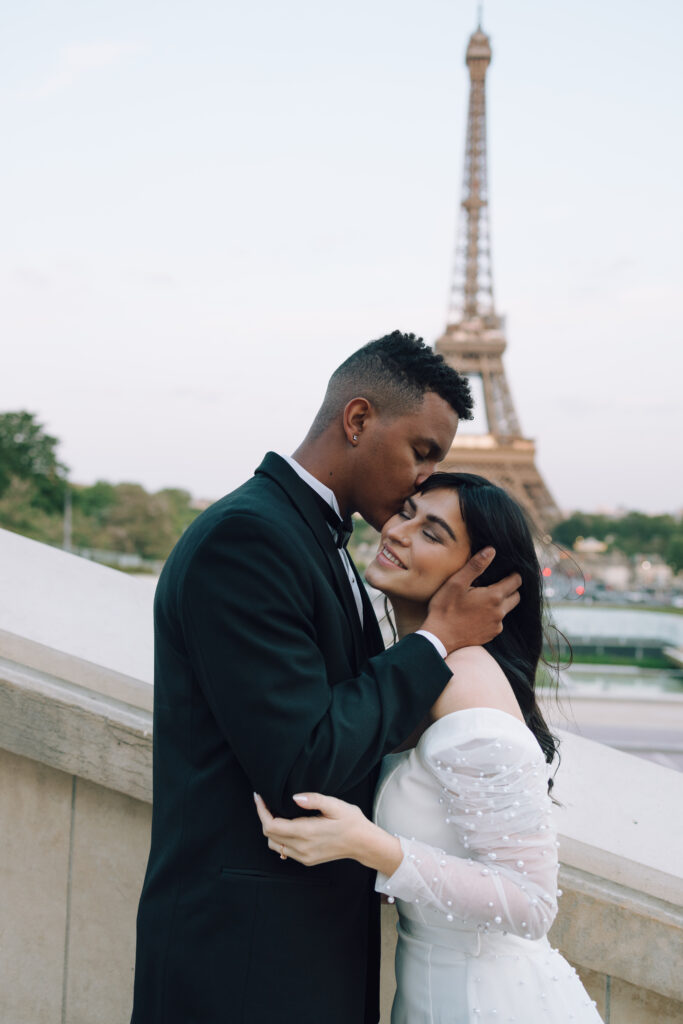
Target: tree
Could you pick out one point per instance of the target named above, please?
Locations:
(19, 514)
(674, 552)
(179, 505)
(126, 518)
(27, 453)
(581, 524)
(140, 522)
(634, 533)
(112, 517)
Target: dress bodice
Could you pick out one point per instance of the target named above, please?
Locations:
(471, 807)
(476, 890)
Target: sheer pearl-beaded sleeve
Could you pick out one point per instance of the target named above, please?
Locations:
(492, 791)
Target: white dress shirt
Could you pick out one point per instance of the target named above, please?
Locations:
(328, 495)
(330, 498)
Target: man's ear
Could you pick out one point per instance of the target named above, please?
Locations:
(356, 416)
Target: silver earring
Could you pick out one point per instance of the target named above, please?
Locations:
(355, 437)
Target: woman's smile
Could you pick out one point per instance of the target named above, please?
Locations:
(420, 547)
(385, 554)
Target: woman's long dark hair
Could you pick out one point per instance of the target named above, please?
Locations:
(493, 518)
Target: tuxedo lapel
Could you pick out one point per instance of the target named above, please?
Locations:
(306, 502)
(373, 635)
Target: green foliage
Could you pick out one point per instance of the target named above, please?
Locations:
(121, 518)
(178, 503)
(674, 552)
(28, 454)
(127, 518)
(634, 534)
(19, 513)
(363, 543)
(94, 502)
(581, 524)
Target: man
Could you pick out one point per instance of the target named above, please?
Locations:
(270, 675)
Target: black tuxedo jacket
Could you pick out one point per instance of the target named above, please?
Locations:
(265, 680)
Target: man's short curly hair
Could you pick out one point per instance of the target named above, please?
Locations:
(394, 373)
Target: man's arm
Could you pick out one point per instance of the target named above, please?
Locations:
(250, 623)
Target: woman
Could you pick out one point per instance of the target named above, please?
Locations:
(462, 838)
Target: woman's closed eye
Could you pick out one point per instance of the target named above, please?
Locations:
(408, 512)
(432, 537)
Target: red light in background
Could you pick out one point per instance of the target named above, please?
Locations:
(580, 590)
(547, 572)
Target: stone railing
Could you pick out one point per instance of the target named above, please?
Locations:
(75, 792)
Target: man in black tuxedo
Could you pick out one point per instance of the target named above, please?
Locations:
(270, 675)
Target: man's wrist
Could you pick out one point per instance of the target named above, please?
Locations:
(436, 643)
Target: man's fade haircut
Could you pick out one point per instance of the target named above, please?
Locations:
(394, 373)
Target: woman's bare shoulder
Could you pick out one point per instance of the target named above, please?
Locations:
(478, 681)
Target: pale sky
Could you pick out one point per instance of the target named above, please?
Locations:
(206, 207)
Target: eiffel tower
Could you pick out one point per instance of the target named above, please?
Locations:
(474, 339)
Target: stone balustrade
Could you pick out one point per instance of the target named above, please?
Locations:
(75, 792)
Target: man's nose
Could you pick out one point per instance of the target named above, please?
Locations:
(425, 471)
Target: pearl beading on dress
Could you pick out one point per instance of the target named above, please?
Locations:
(472, 925)
(495, 797)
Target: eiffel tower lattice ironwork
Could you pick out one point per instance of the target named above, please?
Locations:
(474, 339)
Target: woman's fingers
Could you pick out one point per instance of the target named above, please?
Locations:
(286, 844)
(280, 829)
(287, 838)
(263, 812)
(329, 835)
(327, 805)
(313, 839)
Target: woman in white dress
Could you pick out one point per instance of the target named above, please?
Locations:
(463, 838)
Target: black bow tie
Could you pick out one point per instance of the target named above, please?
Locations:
(341, 528)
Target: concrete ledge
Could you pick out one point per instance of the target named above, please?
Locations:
(72, 858)
(619, 818)
(75, 730)
(620, 932)
(99, 679)
(76, 746)
(615, 819)
(76, 620)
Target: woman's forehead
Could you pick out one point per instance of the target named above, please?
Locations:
(443, 500)
(442, 496)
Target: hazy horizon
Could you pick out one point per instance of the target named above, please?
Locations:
(207, 210)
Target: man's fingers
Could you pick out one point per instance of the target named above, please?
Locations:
(476, 565)
(509, 585)
(510, 602)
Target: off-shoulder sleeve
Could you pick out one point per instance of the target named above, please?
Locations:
(493, 792)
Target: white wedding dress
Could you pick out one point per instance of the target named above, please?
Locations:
(476, 890)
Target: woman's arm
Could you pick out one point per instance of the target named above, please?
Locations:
(513, 890)
(339, 831)
(494, 796)
(512, 895)
(492, 789)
